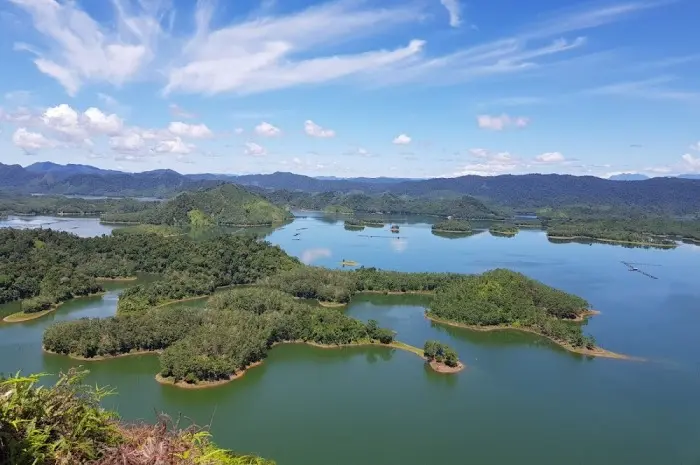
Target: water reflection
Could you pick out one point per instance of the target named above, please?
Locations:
(309, 256)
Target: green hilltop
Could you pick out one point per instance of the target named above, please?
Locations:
(224, 205)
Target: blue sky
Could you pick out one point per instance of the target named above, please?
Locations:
(409, 88)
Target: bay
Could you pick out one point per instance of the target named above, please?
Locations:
(521, 399)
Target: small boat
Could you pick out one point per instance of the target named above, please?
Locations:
(395, 228)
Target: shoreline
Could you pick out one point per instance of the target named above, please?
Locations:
(119, 279)
(208, 384)
(21, 317)
(397, 292)
(612, 241)
(595, 352)
(102, 358)
(447, 231)
(584, 316)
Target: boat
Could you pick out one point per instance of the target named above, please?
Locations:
(394, 228)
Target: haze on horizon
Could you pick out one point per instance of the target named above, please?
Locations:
(346, 88)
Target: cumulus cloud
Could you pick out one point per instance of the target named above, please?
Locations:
(691, 162)
(267, 130)
(174, 146)
(402, 139)
(490, 163)
(99, 122)
(314, 130)
(695, 146)
(31, 141)
(193, 131)
(454, 9)
(130, 142)
(550, 158)
(498, 123)
(251, 148)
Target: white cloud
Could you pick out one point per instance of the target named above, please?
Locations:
(314, 130)
(653, 89)
(65, 120)
(478, 152)
(402, 139)
(107, 99)
(238, 131)
(267, 130)
(193, 131)
(491, 163)
(251, 148)
(180, 112)
(454, 9)
(31, 141)
(175, 146)
(79, 49)
(261, 54)
(102, 123)
(550, 158)
(498, 123)
(691, 163)
(695, 146)
(130, 142)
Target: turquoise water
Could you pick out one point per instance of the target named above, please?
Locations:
(521, 400)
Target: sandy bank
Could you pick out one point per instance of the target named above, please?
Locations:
(443, 368)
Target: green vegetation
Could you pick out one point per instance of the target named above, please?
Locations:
(159, 229)
(360, 223)
(236, 330)
(452, 226)
(64, 424)
(438, 352)
(504, 298)
(456, 205)
(65, 206)
(503, 229)
(43, 267)
(225, 205)
(644, 231)
(338, 210)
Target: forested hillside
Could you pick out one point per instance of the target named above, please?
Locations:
(226, 204)
(673, 196)
(456, 205)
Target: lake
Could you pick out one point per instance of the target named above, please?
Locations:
(521, 399)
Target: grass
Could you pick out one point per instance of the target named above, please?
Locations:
(65, 424)
(19, 317)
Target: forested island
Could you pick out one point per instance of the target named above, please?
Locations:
(65, 423)
(504, 299)
(360, 223)
(656, 232)
(240, 325)
(460, 206)
(452, 226)
(441, 357)
(224, 205)
(503, 229)
(66, 206)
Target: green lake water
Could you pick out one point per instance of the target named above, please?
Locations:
(521, 399)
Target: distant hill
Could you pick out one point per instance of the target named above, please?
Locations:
(628, 177)
(226, 204)
(689, 176)
(64, 171)
(679, 196)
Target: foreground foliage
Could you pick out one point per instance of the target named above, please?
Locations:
(506, 298)
(64, 424)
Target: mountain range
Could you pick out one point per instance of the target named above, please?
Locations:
(529, 191)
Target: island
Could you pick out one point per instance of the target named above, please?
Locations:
(240, 325)
(504, 229)
(441, 357)
(452, 227)
(360, 223)
(224, 205)
(80, 429)
(504, 299)
(353, 224)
